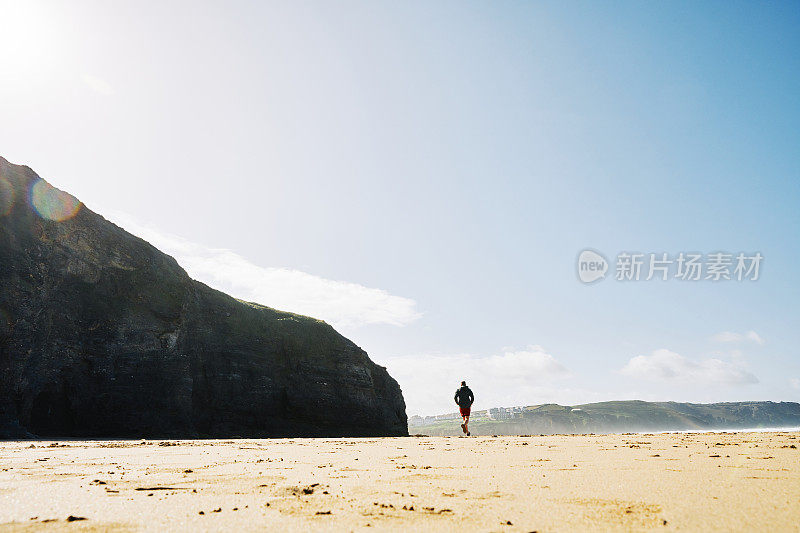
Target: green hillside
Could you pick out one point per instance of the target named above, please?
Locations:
(616, 417)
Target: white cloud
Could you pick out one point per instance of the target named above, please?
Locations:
(98, 85)
(339, 303)
(730, 336)
(795, 382)
(512, 378)
(664, 365)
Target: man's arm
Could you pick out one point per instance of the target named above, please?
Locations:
(455, 398)
(471, 397)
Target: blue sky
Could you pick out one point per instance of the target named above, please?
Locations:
(424, 174)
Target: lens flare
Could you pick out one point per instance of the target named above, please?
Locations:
(51, 203)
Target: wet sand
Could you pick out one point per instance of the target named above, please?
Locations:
(691, 482)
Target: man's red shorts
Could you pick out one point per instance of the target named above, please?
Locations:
(464, 411)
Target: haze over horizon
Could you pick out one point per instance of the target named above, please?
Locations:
(423, 177)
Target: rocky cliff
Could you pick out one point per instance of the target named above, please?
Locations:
(102, 335)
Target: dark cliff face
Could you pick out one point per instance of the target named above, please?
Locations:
(103, 335)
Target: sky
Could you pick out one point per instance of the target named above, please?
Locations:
(424, 176)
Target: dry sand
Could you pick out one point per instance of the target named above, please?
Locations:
(691, 482)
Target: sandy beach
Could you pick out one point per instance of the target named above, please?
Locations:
(690, 482)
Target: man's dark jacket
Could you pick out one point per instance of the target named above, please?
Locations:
(464, 397)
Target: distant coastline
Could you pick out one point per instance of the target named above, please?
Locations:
(786, 429)
(629, 416)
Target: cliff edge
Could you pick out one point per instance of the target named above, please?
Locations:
(103, 335)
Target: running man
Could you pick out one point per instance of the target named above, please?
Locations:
(464, 399)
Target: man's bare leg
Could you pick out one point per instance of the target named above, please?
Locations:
(466, 424)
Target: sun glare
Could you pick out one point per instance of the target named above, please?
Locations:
(52, 203)
(27, 44)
